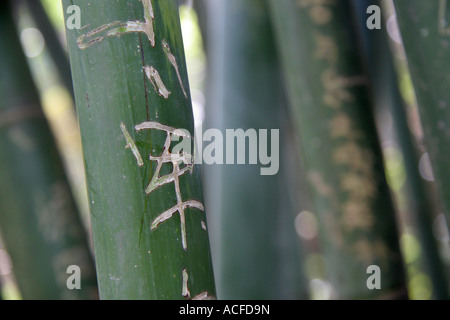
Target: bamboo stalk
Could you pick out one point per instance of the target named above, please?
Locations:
(425, 32)
(330, 105)
(418, 205)
(132, 92)
(257, 254)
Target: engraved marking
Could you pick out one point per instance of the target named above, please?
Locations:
(173, 61)
(149, 17)
(117, 28)
(113, 278)
(158, 181)
(80, 41)
(162, 127)
(185, 290)
(187, 294)
(138, 26)
(155, 79)
(131, 145)
(444, 27)
(168, 213)
(204, 296)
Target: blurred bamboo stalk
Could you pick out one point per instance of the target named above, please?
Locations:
(425, 32)
(256, 251)
(418, 205)
(201, 8)
(59, 55)
(330, 104)
(42, 232)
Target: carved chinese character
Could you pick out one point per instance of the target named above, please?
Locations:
(181, 163)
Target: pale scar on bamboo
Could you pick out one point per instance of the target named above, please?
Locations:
(131, 145)
(158, 181)
(187, 294)
(117, 28)
(173, 61)
(156, 81)
(185, 290)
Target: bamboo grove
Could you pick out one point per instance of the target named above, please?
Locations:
(341, 108)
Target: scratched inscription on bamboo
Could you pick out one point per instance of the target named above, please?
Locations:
(181, 162)
(118, 28)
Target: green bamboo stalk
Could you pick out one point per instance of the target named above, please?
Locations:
(344, 167)
(419, 206)
(257, 253)
(131, 91)
(425, 31)
(40, 226)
